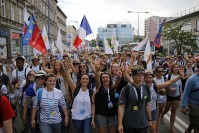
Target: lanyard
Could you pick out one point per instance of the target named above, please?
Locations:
(109, 99)
(137, 94)
(51, 103)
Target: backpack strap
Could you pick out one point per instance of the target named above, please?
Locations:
(75, 94)
(169, 77)
(25, 73)
(40, 91)
(155, 87)
(127, 90)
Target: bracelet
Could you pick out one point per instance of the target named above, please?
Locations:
(66, 117)
(150, 120)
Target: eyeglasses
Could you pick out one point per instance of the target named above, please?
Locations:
(40, 77)
(35, 60)
(160, 71)
(75, 63)
(82, 66)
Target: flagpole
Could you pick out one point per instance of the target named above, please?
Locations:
(49, 21)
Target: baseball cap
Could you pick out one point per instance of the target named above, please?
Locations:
(137, 69)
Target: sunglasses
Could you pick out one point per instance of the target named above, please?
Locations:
(82, 66)
(160, 71)
(40, 77)
(75, 63)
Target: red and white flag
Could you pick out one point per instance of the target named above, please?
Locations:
(84, 30)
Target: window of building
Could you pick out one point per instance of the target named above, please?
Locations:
(41, 6)
(12, 12)
(3, 8)
(197, 25)
(20, 15)
(44, 8)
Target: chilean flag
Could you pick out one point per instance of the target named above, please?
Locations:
(33, 36)
(156, 42)
(84, 30)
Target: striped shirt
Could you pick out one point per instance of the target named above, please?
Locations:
(49, 111)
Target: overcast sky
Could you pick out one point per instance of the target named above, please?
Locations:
(102, 12)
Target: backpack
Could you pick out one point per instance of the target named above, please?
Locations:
(13, 105)
(77, 89)
(40, 91)
(127, 90)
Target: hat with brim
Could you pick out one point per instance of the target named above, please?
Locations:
(148, 72)
(76, 60)
(137, 69)
(40, 73)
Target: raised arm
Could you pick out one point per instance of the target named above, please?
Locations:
(97, 77)
(170, 82)
(126, 75)
(133, 59)
(44, 65)
(115, 85)
(68, 77)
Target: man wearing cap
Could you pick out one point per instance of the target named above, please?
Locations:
(134, 113)
(35, 64)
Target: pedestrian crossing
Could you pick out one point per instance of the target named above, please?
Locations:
(179, 124)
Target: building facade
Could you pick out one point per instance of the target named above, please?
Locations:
(123, 32)
(190, 19)
(71, 35)
(61, 23)
(151, 26)
(12, 19)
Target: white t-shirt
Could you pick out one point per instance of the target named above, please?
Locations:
(81, 108)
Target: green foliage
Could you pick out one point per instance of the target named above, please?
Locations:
(184, 40)
(93, 43)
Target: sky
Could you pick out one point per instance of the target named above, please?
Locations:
(103, 12)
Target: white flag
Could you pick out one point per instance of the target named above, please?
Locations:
(147, 53)
(45, 38)
(141, 44)
(53, 47)
(26, 15)
(107, 48)
(116, 47)
(59, 42)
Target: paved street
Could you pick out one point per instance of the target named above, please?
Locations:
(181, 124)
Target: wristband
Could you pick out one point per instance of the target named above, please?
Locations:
(150, 120)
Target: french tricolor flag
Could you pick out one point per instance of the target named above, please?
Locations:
(84, 30)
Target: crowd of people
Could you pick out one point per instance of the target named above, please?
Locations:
(115, 93)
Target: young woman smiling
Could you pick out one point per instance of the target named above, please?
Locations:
(51, 99)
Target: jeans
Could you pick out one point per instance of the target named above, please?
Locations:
(83, 126)
(50, 128)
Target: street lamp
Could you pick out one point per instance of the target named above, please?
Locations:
(138, 21)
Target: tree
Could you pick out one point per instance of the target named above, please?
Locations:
(184, 40)
(93, 43)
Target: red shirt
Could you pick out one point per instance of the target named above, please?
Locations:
(5, 110)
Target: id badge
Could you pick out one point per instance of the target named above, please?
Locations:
(53, 113)
(82, 111)
(135, 107)
(110, 105)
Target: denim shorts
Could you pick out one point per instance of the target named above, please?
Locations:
(154, 114)
(106, 121)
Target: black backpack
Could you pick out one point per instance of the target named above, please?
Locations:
(77, 89)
